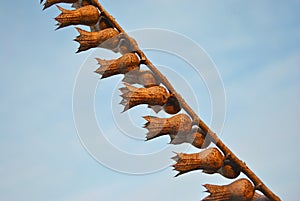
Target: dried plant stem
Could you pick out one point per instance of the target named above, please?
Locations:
(259, 185)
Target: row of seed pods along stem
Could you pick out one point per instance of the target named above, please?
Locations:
(152, 93)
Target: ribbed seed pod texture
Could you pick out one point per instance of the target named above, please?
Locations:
(132, 96)
(179, 124)
(106, 38)
(122, 65)
(239, 190)
(87, 15)
(210, 160)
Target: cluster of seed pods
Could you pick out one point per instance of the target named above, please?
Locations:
(152, 93)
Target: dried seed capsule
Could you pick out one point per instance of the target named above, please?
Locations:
(209, 160)
(172, 106)
(49, 3)
(229, 170)
(133, 96)
(142, 77)
(122, 65)
(196, 138)
(199, 142)
(107, 38)
(259, 197)
(179, 124)
(239, 190)
(87, 15)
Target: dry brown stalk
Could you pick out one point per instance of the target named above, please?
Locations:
(180, 127)
(259, 185)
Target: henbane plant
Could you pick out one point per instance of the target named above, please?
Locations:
(156, 90)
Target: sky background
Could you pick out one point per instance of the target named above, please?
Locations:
(255, 46)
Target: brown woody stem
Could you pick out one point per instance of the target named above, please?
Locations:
(196, 119)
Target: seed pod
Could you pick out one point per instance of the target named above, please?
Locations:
(196, 138)
(172, 106)
(122, 65)
(239, 190)
(106, 38)
(179, 124)
(133, 96)
(142, 77)
(210, 159)
(49, 3)
(87, 15)
(201, 140)
(259, 197)
(229, 170)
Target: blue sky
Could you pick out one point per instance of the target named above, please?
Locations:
(255, 46)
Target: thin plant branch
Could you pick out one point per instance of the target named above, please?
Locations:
(259, 185)
(87, 14)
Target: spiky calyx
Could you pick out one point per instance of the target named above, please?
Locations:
(87, 15)
(209, 160)
(107, 38)
(179, 124)
(122, 65)
(239, 190)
